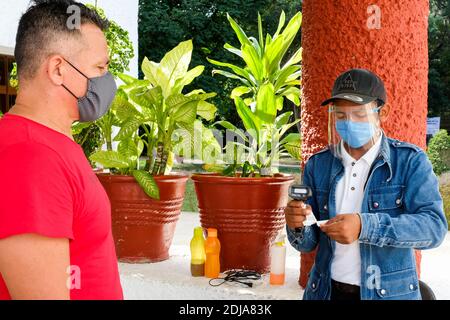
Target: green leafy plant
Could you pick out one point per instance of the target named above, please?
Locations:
(263, 63)
(157, 106)
(266, 83)
(439, 152)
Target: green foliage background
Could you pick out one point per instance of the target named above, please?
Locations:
(165, 23)
(439, 152)
(439, 56)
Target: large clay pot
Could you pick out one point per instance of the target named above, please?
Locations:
(248, 213)
(143, 228)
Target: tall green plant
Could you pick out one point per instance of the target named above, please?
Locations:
(263, 57)
(266, 83)
(159, 107)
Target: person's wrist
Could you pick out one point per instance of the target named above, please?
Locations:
(359, 224)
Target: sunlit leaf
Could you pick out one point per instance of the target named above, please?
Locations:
(110, 159)
(148, 183)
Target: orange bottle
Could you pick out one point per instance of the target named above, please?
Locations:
(212, 250)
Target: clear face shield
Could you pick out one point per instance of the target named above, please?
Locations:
(353, 127)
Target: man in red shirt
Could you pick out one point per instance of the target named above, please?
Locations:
(55, 217)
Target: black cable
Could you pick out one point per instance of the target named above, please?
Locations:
(240, 276)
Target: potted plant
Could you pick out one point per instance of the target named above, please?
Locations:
(245, 197)
(146, 198)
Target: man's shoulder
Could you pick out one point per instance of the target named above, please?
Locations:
(403, 146)
(29, 151)
(321, 155)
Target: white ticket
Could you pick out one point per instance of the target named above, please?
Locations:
(311, 220)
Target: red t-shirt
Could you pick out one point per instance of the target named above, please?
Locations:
(47, 187)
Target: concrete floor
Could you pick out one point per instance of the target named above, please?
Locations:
(171, 279)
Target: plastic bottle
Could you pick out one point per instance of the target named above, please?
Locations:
(198, 256)
(212, 250)
(278, 261)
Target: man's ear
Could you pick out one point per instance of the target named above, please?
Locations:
(55, 69)
(384, 112)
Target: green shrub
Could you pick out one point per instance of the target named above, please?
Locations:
(439, 152)
(445, 192)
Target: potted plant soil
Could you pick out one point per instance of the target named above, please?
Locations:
(245, 197)
(146, 198)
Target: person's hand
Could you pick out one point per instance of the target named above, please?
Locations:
(295, 214)
(344, 228)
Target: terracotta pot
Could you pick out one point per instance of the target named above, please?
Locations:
(143, 228)
(248, 213)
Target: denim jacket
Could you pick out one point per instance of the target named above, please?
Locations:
(402, 210)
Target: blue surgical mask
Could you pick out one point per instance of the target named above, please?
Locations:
(98, 98)
(355, 134)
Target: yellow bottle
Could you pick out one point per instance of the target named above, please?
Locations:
(198, 256)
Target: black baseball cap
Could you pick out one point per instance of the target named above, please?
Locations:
(359, 86)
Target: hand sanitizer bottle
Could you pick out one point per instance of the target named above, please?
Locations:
(278, 261)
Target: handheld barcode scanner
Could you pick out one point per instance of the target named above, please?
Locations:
(300, 193)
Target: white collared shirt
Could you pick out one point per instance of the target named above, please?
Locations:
(346, 264)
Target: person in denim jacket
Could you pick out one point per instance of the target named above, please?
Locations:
(379, 194)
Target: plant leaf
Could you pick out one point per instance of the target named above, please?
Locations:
(180, 83)
(290, 32)
(243, 39)
(123, 109)
(266, 108)
(260, 32)
(233, 50)
(282, 76)
(126, 78)
(128, 149)
(253, 61)
(175, 63)
(186, 113)
(150, 68)
(206, 110)
(281, 24)
(283, 119)
(148, 183)
(293, 94)
(296, 58)
(231, 127)
(240, 91)
(251, 122)
(128, 128)
(231, 76)
(274, 54)
(110, 159)
(216, 168)
(292, 144)
(237, 70)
